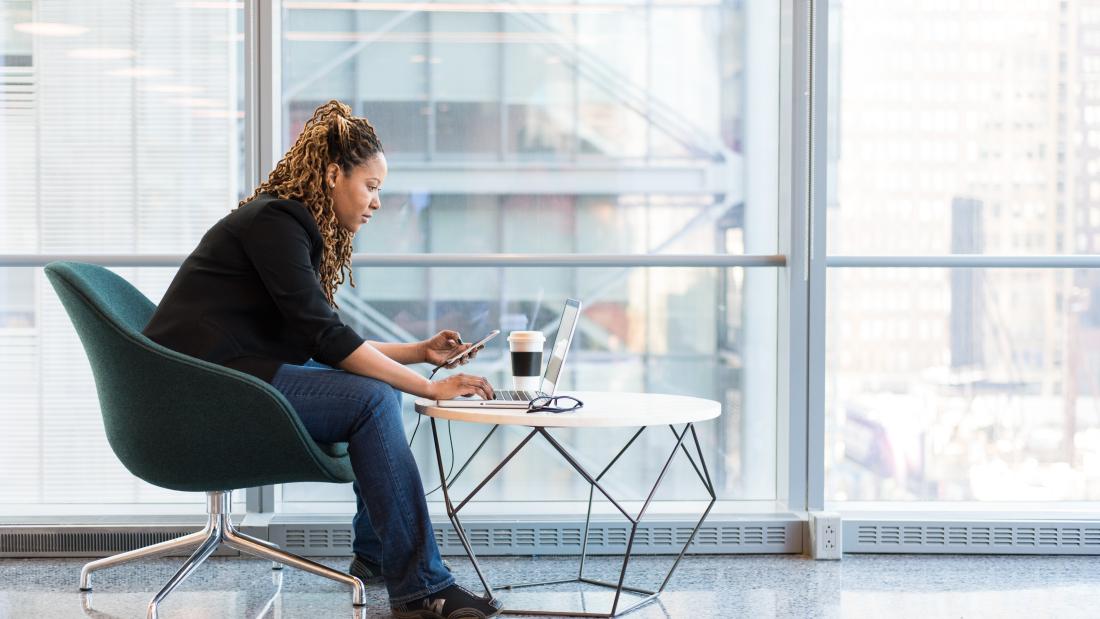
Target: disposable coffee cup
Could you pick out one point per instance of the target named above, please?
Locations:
(526, 350)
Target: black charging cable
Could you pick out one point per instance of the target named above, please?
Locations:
(450, 443)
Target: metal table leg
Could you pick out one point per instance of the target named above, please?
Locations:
(594, 484)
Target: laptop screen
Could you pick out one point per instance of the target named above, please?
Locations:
(561, 345)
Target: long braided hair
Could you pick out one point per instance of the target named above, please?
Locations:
(331, 135)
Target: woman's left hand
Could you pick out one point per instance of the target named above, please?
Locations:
(443, 346)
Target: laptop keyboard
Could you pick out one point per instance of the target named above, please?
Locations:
(514, 396)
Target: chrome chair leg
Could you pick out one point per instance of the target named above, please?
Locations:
(201, 553)
(252, 546)
(155, 550)
(219, 530)
(275, 565)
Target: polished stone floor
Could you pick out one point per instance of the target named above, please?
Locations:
(751, 586)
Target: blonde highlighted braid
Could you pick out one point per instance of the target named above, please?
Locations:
(331, 135)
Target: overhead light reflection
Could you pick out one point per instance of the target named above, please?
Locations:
(442, 37)
(140, 72)
(458, 7)
(101, 53)
(50, 29)
(210, 5)
(170, 88)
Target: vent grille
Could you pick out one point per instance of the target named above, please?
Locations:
(504, 538)
(89, 542)
(548, 538)
(306, 540)
(996, 538)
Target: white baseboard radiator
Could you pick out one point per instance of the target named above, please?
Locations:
(1054, 537)
(328, 539)
(325, 539)
(558, 538)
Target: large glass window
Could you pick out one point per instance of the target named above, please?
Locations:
(568, 127)
(968, 128)
(962, 387)
(121, 125)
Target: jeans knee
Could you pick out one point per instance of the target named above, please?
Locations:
(384, 400)
(391, 400)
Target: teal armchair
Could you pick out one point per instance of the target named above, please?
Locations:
(182, 423)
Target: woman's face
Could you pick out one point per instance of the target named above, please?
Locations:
(355, 194)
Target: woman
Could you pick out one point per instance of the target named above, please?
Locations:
(256, 295)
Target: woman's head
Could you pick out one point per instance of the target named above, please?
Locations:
(336, 168)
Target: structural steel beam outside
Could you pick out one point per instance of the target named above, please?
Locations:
(437, 260)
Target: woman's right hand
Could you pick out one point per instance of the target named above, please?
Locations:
(460, 385)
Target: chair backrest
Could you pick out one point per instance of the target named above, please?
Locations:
(173, 420)
(121, 304)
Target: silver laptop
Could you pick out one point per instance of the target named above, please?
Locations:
(520, 399)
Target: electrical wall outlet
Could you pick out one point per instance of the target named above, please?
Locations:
(825, 540)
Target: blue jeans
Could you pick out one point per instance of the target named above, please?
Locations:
(391, 524)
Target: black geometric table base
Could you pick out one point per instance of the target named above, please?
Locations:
(594, 484)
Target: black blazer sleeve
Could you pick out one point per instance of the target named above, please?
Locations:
(279, 246)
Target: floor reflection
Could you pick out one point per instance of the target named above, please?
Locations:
(859, 586)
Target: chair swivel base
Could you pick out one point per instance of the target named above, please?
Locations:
(219, 530)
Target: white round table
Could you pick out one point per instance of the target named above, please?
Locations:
(600, 410)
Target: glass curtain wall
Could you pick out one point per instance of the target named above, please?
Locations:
(567, 127)
(122, 132)
(622, 128)
(963, 128)
(612, 127)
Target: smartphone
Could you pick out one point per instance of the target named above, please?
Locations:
(479, 344)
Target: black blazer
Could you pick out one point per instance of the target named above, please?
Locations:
(249, 296)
